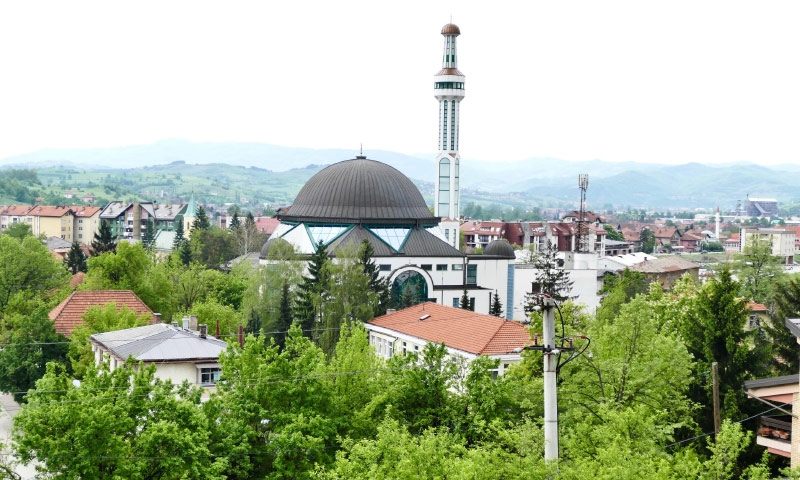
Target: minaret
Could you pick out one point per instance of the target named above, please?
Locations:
(716, 230)
(448, 89)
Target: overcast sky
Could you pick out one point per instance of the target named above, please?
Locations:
(667, 82)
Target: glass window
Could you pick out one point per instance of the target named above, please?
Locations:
(472, 274)
(209, 376)
(457, 266)
(456, 302)
(385, 268)
(394, 237)
(427, 266)
(441, 267)
(325, 233)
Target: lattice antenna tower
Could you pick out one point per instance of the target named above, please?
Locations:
(583, 234)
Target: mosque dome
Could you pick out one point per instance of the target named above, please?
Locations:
(359, 191)
(451, 29)
(499, 248)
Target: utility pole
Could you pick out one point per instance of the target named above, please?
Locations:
(715, 380)
(550, 396)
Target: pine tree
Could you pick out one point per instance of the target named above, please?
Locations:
(465, 301)
(201, 221)
(179, 236)
(103, 240)
(550, 274)
(312, 290)
(149, 237)
(253, 326)
(234, 221)
(377, 284)
(75, 261)
(185, 253)
(284, 315)
(496, 308)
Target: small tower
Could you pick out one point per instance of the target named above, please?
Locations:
(716, 229)
(448, 88)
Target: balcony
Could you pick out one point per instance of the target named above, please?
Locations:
(775, 433)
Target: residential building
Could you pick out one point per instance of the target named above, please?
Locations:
(781, 240)
(179, 354)
(129, 221)
(58, 221)
(86, 223)
(69, 313)
(667, 270)
(11, 214)
(466, 335)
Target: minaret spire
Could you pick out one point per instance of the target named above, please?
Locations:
(449, 91)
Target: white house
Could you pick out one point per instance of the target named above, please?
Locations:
(465, 334)
(179, 354)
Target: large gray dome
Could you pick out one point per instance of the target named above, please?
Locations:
(359, 191)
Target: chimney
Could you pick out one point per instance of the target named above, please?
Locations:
(174, 324)
(156, 318)
(193, 322)
(203, 330)
(241, 337)
(390, 311)
(217, 332)
(185, 321)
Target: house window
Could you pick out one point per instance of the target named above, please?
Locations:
(405, 348)
(457, 266)
(472, 274)
(80, 235)
(456, 302)
(427, 267)
(442, 267)
(80, 220)
(754, 322)
(209, 376)
(386, 268)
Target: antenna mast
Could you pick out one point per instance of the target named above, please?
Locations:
(582, 236)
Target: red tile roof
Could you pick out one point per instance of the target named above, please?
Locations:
(457, 328)
(757, 307)
(267, 224)
(69, 313)
(50, 211)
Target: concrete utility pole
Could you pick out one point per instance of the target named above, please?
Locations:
(550, 397)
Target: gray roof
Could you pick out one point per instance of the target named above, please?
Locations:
(114, 209)
(57, 243)
(164, 240)
(664, 264)
(160, 343)
(359, 190)
(772, 382)
(167, 211)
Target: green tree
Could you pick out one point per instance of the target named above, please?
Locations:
(235, 221)
(647, 241)
(18, 230)
(201, 221)
(378, 285)
(75, 261)
(185, 253)
(758, 270)
(27, 269)
(32, 341)
(713, 329)
(99, 320)
(619, 290)
(553, 280)
(180, 238)
(149, 236)
(103, 240)
(464, 303)
(284, 316)
(496, 308)
(213, 246)
(313, 290)
(613, 234)
(125, 423)
(273, 405)
(782, 343)
(123, 270)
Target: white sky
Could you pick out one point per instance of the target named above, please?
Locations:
(668, 82)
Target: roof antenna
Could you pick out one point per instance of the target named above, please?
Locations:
(361, 155)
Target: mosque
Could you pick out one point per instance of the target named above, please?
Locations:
(361, 198)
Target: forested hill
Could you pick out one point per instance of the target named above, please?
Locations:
(227, 172)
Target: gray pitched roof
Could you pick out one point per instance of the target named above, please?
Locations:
(160, 343)
(664, 264)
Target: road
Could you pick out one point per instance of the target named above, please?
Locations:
(8, 410)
